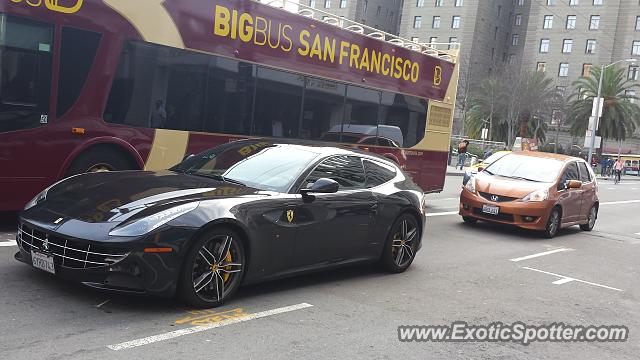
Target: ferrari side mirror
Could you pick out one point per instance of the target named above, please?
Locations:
(322, 186)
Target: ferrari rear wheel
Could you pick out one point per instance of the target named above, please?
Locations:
(213, 269)
(402, 244)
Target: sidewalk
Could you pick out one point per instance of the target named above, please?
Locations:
(624, 178)
(451, 171)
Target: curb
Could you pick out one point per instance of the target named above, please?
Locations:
(455, 174)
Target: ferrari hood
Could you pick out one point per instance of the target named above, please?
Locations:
(103, 197)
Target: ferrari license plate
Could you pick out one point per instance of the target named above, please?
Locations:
(43, 261)
(490, 209)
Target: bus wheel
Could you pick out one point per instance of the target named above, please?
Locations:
(99, 159)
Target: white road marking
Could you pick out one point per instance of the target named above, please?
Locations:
(562, 281)
(637, 234)
(197, 329)
(539, 254)
(8, 243)
(620, 202)
(566, 279)
(443, 213)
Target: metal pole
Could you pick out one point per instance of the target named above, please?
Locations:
(595, 125)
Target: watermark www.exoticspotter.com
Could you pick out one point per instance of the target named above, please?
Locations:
(517, 332)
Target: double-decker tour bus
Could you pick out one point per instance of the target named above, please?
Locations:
(99, 85)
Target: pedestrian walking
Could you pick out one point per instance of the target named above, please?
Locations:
(462, 153)
(618, 166)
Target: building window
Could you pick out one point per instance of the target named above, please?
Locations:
(635, 49)
(567, 46)
(453, 40)
(415, 39)
(637, 23)
(365, 7)
(512, 59)
(520, 2)
(544, 46)
(455, 22)
(514, 39)
(499, 10)
(551, 2)
(379, 11)
(633, 72)
(436, 22)
(417, 22)
(631, 95)
(598, 2)
(420, 3)
(573, 2)
(563, 70)
(571, 22)
(548, 22)
(312, 3)
(433, 40)
(458, 3)
(343, 4)
(586, 70)
(591, 46)
(439, 3)
(327, 3)
(594, 24)
(541, 67)
(518, 20)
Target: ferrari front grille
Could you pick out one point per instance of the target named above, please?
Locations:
(69, 253)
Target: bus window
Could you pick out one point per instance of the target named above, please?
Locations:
(229, 98)
(25, 57)
(278, 103)
(323, 109)
(77, 52)
(159, 87)
(361, 112)
(407, 113)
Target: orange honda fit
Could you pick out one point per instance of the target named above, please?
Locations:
(533, 190)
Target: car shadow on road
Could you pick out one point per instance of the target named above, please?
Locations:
(8, 221)
(115, 303)
(517, 233)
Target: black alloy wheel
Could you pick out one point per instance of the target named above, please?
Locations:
(553, 224)
(402, 244)
(213, 269)
(591, 220)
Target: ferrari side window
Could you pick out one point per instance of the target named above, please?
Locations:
(377, 174)
(347, 171)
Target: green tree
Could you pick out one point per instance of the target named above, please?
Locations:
(511, 104)
(619, 115)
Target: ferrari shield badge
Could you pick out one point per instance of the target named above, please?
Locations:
(290, 215)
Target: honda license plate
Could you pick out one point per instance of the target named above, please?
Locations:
(490, 209)
(42, 261)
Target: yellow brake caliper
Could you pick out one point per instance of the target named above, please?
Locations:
(228, 259)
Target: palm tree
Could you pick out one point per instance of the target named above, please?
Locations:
(484, 109)
(620, 113)
(536, 89)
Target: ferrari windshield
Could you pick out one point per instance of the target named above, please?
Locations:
(263, 166)
(526, 168)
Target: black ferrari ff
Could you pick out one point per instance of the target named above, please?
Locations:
(243, 212)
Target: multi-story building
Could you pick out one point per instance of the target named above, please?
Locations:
(483, 29)
(380, 14)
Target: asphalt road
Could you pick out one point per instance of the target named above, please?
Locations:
(463, 273)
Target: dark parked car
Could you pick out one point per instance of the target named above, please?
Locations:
(242, 212)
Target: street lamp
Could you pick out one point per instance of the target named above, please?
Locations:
(597, 120)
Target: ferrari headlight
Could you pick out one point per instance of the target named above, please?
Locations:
(37, 199)
(152, 222)
(471, 185)
(538, 195)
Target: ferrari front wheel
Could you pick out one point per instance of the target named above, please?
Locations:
(402, 244)
(213, 268)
